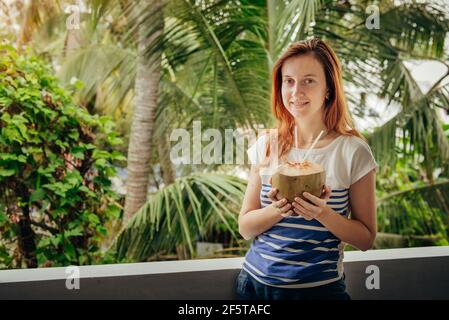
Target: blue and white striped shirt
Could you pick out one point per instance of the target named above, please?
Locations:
(296, 253)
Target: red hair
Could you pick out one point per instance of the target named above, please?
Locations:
(336, 114)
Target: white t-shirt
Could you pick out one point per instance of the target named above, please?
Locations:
(346, 160)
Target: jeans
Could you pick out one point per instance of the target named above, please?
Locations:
(250, 289)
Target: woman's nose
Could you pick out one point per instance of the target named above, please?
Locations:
(297, 92)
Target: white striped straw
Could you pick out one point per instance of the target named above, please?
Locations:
(313, 145)
(296, 143)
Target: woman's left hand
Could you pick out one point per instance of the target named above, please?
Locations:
(314, 210)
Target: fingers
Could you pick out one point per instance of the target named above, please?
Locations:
(315, 200)
(287, 214)
(283, 207)
(272, 194)
(310, 207)
(327, 191)
(299, 210)
(314, 209)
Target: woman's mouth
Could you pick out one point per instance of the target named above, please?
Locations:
(299, 104)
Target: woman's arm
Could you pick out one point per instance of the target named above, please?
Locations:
(253, 220)
(360, 230)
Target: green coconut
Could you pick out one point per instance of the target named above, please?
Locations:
(293, 179)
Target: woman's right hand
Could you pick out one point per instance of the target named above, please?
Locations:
(282, 206)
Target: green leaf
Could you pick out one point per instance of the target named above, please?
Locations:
(3, 217)
(73, 178)
(102, 230)
(69, 251)
(37, 195)
(93, 218)
(78, 231)
(74, 135)
(101, 162)
(116, 155)
(78, 152)
(113, 211)
(7, 172)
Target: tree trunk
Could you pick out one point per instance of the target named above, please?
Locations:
(26, 242)
(147, 91)
(26, 235)
(168, 175)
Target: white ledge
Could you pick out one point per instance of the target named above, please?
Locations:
(135, 269)
(396, 254)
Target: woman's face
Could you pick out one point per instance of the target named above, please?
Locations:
(303, 86)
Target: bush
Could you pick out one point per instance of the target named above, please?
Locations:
(55, 189)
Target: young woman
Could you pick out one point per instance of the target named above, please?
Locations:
(297, 252)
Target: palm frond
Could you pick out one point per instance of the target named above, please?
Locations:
(419, 210)
(224, 32)
(106, 66)
(383, 142)
(294, 20)
(180, 214)
(418, 129)
(422, 31)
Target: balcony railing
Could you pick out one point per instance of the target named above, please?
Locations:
(412, 273)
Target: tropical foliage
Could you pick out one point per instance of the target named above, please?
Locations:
(182, 213)
(210, 60)
(55, 189)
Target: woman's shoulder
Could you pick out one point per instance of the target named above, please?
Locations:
(257, 148)
(354, 160)
(353, 143)
(262, 138)
(357, 149)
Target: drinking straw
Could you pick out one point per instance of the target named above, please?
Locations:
(313, 145)
(296, 143)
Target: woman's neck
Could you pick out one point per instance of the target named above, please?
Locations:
(309, 131)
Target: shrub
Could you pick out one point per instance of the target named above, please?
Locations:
(55, 188)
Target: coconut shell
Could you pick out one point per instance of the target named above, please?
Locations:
(292, 180)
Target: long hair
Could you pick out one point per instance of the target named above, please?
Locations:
(336, 114)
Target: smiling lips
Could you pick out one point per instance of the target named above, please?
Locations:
(299, 103)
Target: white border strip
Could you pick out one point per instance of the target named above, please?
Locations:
(396, 254)
(134, 269)
(120, 270)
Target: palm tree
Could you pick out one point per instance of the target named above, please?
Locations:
(148, 74)
(382, 55)
(216, 57)
(181, 213)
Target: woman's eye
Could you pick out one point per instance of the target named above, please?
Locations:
(289, 81)
(309, 81)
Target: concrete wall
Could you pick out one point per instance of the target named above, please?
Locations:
(414, 273)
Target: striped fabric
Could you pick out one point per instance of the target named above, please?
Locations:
(296, 253)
